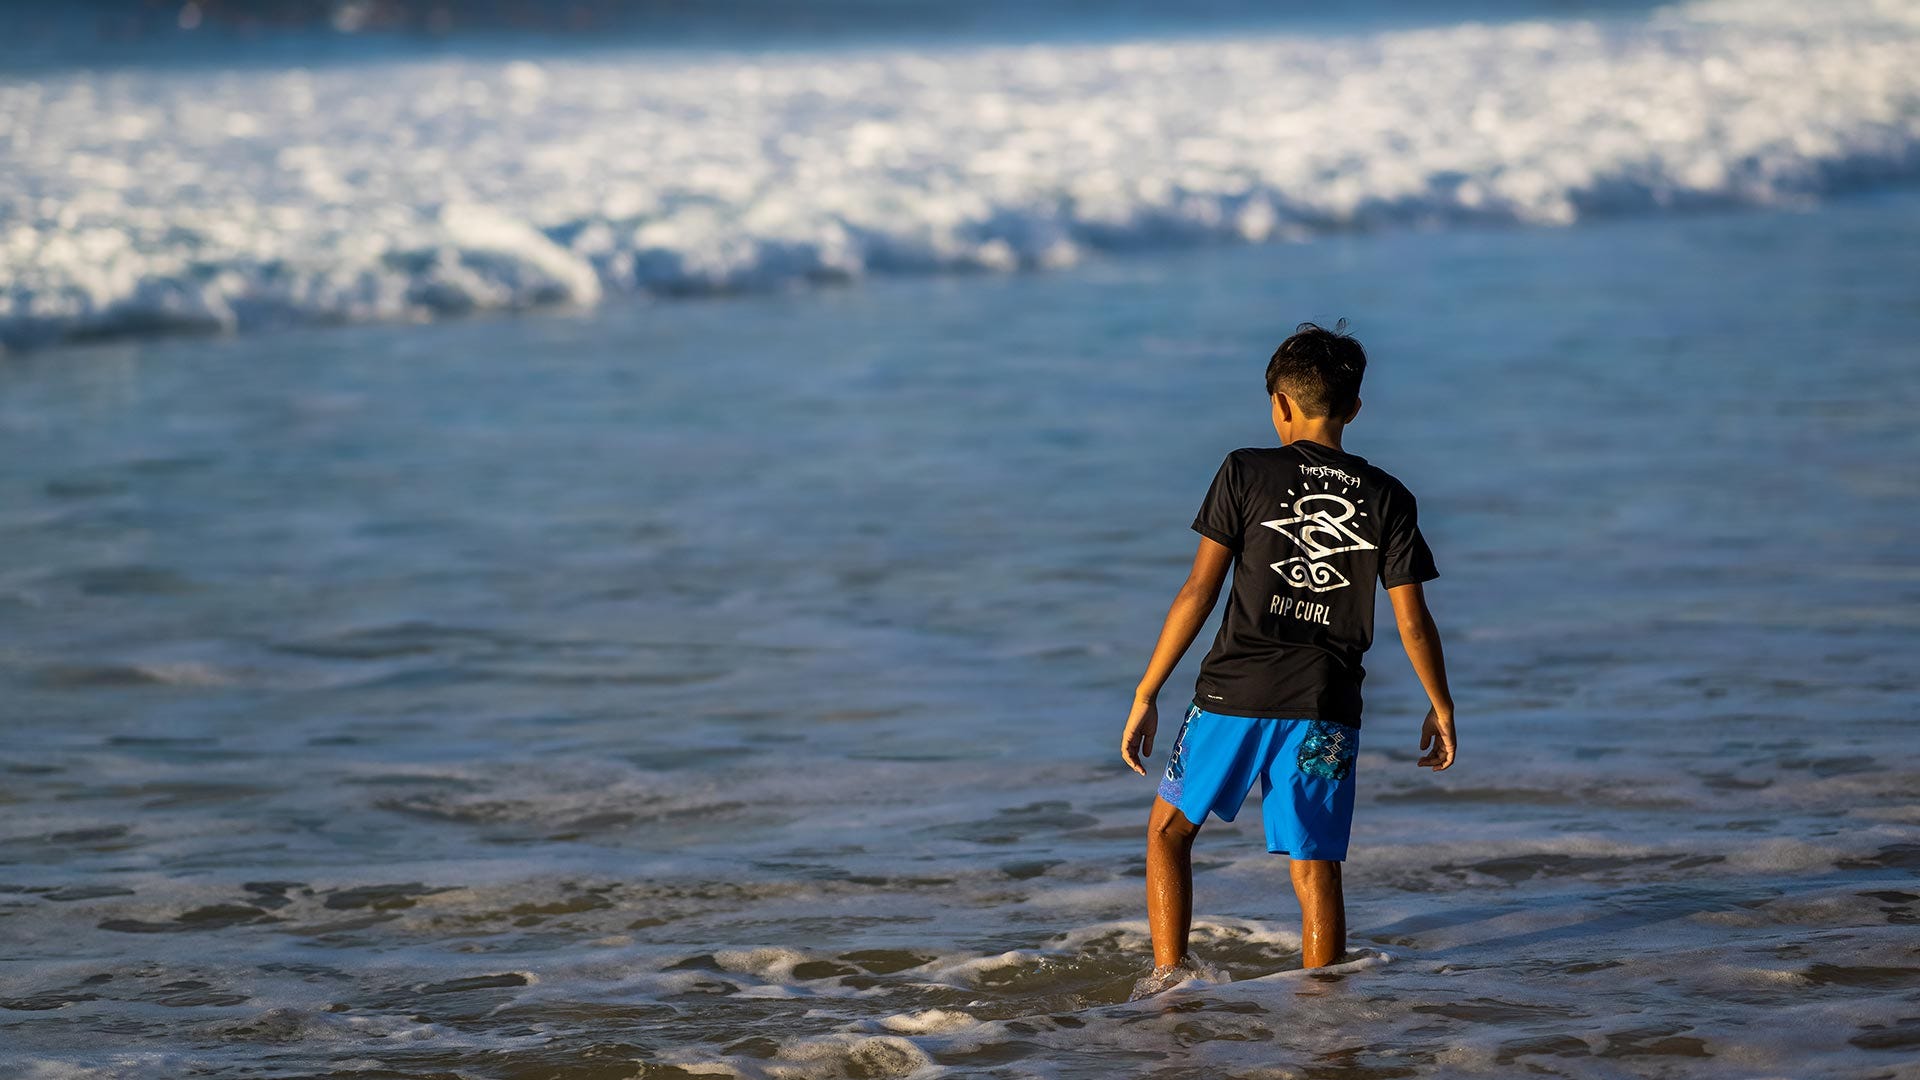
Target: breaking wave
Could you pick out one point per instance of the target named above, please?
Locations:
(137, 201)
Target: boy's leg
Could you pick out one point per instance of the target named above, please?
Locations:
(1307, 803)
(1323, 911)
(1169, 881)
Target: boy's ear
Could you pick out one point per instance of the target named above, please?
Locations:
(1355, 412)
(1285, 405)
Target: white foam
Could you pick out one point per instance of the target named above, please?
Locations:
(143, 200)
(108, 1066)
(1782, 854)
(288, 1024)
(1361, 960)
(845, 1055)
(929, 1022)
(968, 971)
(1136, 934)
(766, 963)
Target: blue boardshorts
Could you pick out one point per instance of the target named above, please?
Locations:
(1305, 769)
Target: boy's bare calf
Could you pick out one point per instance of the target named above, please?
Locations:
(1169, 881)
(1323, 911)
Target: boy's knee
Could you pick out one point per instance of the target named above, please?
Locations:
(1166, 824)
(1314, 871)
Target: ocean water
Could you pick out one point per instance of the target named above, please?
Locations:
(731, 687)
(724, 677)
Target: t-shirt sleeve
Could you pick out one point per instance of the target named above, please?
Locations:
(1219, 516)
(1406, 558)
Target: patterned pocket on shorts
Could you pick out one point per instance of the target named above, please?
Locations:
(1176, 761)
(1170, 787)
(1327, 751)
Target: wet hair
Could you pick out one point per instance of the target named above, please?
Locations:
(1319, 369)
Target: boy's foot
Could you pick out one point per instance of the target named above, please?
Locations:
(1165, 977)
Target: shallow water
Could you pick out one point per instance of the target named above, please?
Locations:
(731, 687)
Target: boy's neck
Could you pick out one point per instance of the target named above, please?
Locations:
(1326, 434)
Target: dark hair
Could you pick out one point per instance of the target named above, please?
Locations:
(1320, 369)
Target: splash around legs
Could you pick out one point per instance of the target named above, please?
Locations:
(1316, 885)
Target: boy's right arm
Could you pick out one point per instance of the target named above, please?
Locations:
(1184, 619)
(1421, 639)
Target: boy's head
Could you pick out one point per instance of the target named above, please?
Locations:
(1315, 374)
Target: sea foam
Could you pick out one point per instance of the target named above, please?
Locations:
(135, 201)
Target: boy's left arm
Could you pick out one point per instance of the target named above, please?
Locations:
(1421, 638)
(1189, 612)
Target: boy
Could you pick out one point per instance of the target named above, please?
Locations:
(1307, 527)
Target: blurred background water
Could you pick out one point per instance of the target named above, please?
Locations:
(686, 664)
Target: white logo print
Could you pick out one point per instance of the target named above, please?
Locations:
(1319, 528)
(1324, 471)
(1318, 576)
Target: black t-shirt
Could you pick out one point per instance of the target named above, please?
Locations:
(1310, 527)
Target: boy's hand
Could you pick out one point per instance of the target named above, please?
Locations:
(1137, 741)
(1437, 730)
